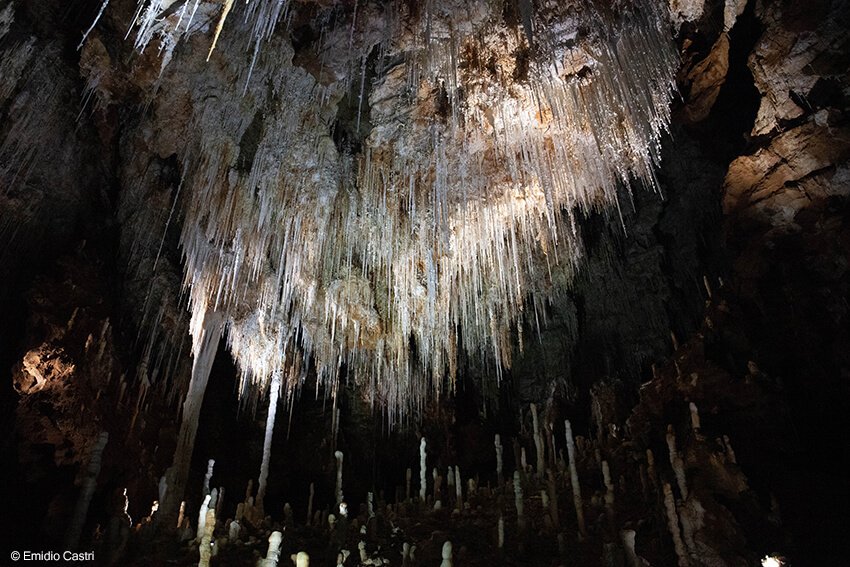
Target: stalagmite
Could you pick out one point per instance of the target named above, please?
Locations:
(338, 455)
(206, 328)
(274, 393)
(695, 424)
(234, 530)
(551, 486)
(458, 490)
(499, 477)
(370, 506)
(438, 483)
(501, 532)
(447, 555)
(609, 486)
(576, 488)
(538, 442)
(301, 559)
(650, 468)
(673, 525)
(181, 514)
(87, 488)
(273, 553)
(518, 502)
(730, 453)
(523, 461)
(628, 537)
(208, 476)
(205, 546)
(677, 463)
(310, 504)
(202, 517)
(422, 471)
(219, 503)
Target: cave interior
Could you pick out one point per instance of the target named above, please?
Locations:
(386, 282)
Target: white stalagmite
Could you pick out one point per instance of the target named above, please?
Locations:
(87, 488)
(339, 498)
(423, 471)
(673, 526)
(447, 555)
(301, 559)
(234, 530)
(576, 487)
(208, 476)
(499, 476)
(273, 553)
(538, 442)
(202, 516)
(518, 502)
(274, 394)
(677, 463)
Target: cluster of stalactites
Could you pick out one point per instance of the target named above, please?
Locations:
(450, 219)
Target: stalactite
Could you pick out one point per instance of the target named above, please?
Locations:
(274, 393)
(467, 208)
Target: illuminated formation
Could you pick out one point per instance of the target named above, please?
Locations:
(485, 140)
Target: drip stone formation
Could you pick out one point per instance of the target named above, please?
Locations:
(436, 230)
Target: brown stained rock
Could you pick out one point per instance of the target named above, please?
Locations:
(705, 79)
(785, 61)
(778, 181)
(40, 368)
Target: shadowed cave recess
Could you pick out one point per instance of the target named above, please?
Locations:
(385, 282)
